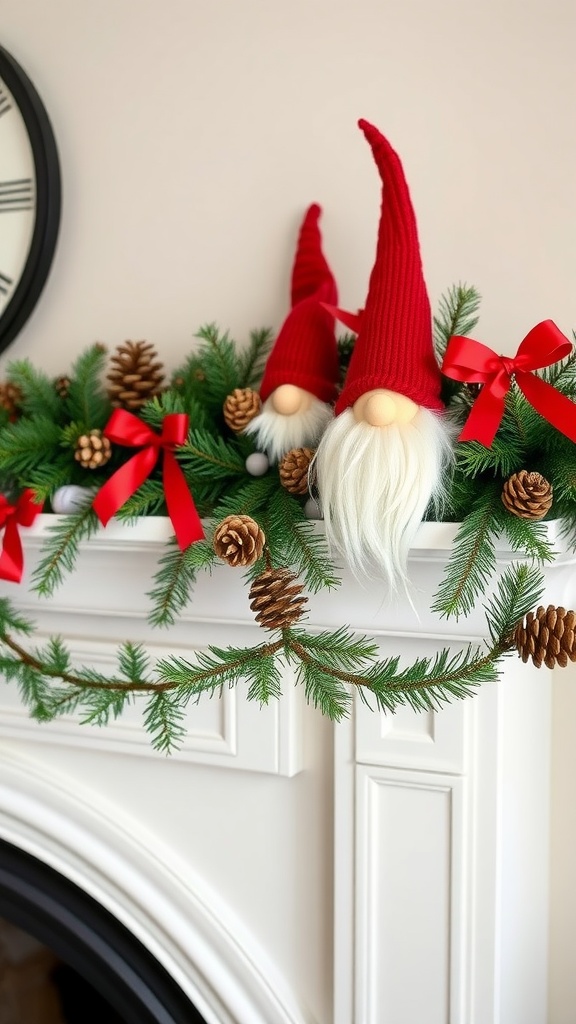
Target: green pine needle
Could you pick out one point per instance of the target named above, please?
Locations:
(164, 720)
(206, 455)
(39, 398)
(472, 562)
(457, 315)
(28, 443)
(253, 359)
(175, 579)
(295, 543)
(61, 549)
(86, 401)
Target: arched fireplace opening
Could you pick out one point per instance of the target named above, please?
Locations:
(90, 941)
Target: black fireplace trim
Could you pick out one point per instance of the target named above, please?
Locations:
(91, 940)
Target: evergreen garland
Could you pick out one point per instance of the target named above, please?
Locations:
(37, 452)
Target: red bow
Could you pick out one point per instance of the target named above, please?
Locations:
(125, 428)
(23, 513)
(471, 361)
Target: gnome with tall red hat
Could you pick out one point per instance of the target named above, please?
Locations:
(384, 457)
(301, 375)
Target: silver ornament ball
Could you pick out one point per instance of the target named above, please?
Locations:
(312, 509)
(71, 498)
(257, 464)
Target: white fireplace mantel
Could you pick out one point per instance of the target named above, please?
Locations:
(389, 870)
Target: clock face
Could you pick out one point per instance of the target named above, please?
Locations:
(29, 197)
(17, 195)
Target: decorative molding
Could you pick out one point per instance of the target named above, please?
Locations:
(146, 886)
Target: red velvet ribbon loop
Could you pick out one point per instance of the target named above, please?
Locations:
(23, 513)
(474, 363)
(126, 429)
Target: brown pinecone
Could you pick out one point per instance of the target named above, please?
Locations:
(92, 450)
(61, 386)
(547, 635)
(527, 495)
(238, 540)
(276, 598)
(136, 375)
(240, 407)
(10, 398)
(294, 468)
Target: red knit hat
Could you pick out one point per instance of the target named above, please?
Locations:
(394, 348)
(305, 352)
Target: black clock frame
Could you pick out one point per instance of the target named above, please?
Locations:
(48, 199)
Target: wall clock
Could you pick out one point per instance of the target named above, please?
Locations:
(29, 197)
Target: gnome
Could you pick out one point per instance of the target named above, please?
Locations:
(384, 457)
(300, 380)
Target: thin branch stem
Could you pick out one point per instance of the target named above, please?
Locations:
(121, 685)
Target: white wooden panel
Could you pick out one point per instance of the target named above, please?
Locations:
(409, 739)
(410, 899)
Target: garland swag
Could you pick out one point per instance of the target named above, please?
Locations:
(51, 437)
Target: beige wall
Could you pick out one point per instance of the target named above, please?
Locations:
(193, 134)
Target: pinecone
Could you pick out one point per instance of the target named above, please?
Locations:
(547, 635)
(10, 399)
(62, 386)
(240, 407)
(294, 468)
(238, 540)
(276, 598)
(92, 450)
(527, 495)
(136, 375)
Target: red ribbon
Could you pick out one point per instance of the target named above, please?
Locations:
(125, 428)
(23, 513)
(472, 362)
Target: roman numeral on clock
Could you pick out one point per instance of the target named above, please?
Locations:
(5, 104)
(16, 195)
(5, 284)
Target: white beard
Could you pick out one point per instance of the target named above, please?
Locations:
(375, 484)
(277, 434)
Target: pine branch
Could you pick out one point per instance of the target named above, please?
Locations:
(100, 706)
(209, 455)
(220, 364)
(329, 665)
(457, 315)
(175, 579)
(39, 398)
(156, 408)
(27, 444)
(164, 720)
(472, 562)
(61, 549)
(294, 542)
(249, 499)
(345, 344)
(86, 401)
(148, 500)
(47, 478)
(518, 590)
(133, 661)
(506, 455)
(253, 360)
(528, 537)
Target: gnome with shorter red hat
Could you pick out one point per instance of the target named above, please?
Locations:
(301, 375)
(384, 457)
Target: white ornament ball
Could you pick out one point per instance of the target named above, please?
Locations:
(71, 498)
(312, 509)
(257, 464)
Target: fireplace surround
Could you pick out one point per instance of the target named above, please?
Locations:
(278, 869)
(88, 938)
